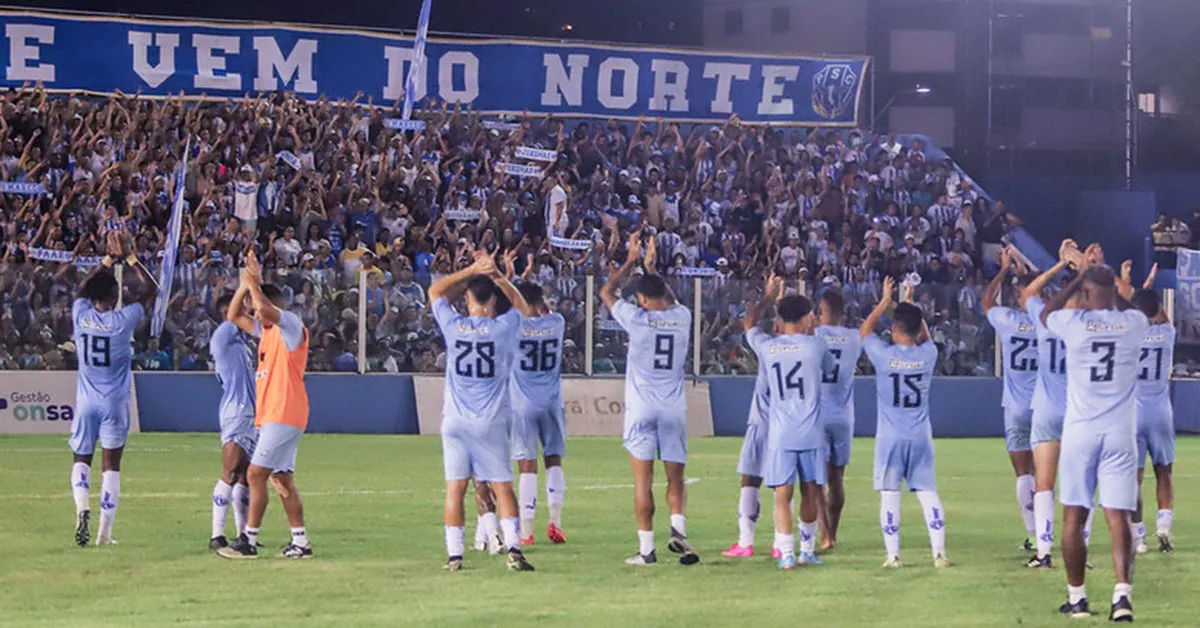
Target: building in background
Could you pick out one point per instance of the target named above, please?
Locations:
(1014, 85)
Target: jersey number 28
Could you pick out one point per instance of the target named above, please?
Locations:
(484, 363)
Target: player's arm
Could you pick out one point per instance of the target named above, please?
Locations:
(442, 288)
(149, 287)
(112, 254)
(236, 312)
(991, 295)
(1149, 283)
(1125, 280)
(608, 293)
(509, 290)
(1068, 254)
(759, 309)
(885, 301)
(1060, 300)
(264, 310)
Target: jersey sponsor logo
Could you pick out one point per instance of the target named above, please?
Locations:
(88, 323)
(1155, 339)
(785, 348)
(657, 324)
(528, 332)
(1102, 328)
(1025, 328)
(901, 365)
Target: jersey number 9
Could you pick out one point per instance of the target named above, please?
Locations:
(664, 352)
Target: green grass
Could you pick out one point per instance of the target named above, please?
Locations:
(374, 513)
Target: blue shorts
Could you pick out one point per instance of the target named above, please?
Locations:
(478, 449)
(754, 450)
(240, 430)
(532, 425)
(277, 447)
(908, 461)
(1091, 460)
(108, 424)
(785, 466)
(839, 436)
(1046, 427)
(663, 436)
(1156, 437)
(1017, 427)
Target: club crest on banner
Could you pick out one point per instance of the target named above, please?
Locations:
(834, 88)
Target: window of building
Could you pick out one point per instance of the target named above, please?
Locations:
(1148, 103)
(1007, 104)
(781, 19)
(733, 21)
(1007, 32)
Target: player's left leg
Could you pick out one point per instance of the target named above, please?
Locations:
(554, 447)
(233, 462)
(1016, 437)
(527, 497)
(1165, 494)
(85, 430)
(492, 459)
(750, 466)
(1137, 527)
(840, 436)
(643, 509)
(454, 520)
(285, 486)
(672, 443)
(1074, 551)
(1122, 553)
(110, 493)
(811, 501)
(487, 525)
(785, 540)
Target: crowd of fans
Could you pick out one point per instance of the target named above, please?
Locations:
(335, 199)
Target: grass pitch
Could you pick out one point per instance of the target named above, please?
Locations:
(374, 514)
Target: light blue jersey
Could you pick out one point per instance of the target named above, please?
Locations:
(235, 361)
(903, 375)
(1019, 349)
(795, 365)
(103, 340)
(1154, 376)
(655, 408)
(479, 359)
(837, 387)
(903, 439)
(1050, 392)
(1103, 347)
(537, 378)
(658, 348)
(760, 403)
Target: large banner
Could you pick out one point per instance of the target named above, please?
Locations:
(594, 406)
(1187, 296)
(43, 402)
(160, 57)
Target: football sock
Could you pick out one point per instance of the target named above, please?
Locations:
(454, 540)
(1076, 594)
(81, 484)
(299, 537)
(556, 486)
(1043, 510)
(110, 495)
(808, 537)
(1122, 590)
(786, 543)
(512, 540)
(1025, 496)
(241, 504)
(645, 542)
(222, 493)
(527, 489)
(679, 524)
(748, 510)
(1165, 518)
(935, 519)
(889, 521)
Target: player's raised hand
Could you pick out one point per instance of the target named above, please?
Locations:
(651, 254)
(1149, 283)
(510, 266)
(889, 286)
(1094, 255)
(1066, 250)
(253, 268)
(1127, 271)
(774, 287)
(635, 247)
(484, 263)
(1005, 259)
(112, 242)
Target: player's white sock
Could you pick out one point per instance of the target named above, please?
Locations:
(1043, 510)
(241, 505)
(110, 495)
(889, 521)
(556, 486)
(81, 485)
(299, 537)
(454, 540)
(679, 524)
(1139, 531)
(252, 536)
(808, 537)
(1122, 590)
(786, 543)
(512, 540)
(1087, 528)
(1076, 594)
(1165, 518)
(748, 509)
(480, 530)
(527, 490)
(490, 524)
(645, 542)
(1026, 486)
(935, 519)
(222, 494)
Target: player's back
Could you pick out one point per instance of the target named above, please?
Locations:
(795, 364)
(103, 341)
(479, 356)
(658, 347)
(1019, 343)
(1154, 373)
(1050, 388)
(903, 376)
(537, 375)
(234, 361)
(837, 386)
(1103, 347)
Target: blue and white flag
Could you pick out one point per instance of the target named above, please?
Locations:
(289, 158)
(404, 125)
(536, 154)
(493, 125)
(417, 61)
(166, 274)
(695, 271)
(1187, 296)
(462, 214)
(24, 188)
(521, 170)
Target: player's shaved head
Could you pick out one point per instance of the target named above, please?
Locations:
(101, 288)
(533, 295)
(1099, 290)
(793, 308)
(222, 304)
(274, 295)
(1147, 302)
(651, 287)
(907, 319)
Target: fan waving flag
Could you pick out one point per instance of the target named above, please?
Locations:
(166, 274)
(418, 61)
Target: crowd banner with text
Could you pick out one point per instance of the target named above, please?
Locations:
(158, 57)
(594, 406)
(1187, 296)
(43, 402)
